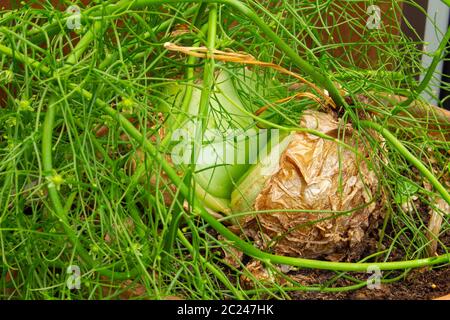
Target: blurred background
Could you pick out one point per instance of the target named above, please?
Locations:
(424, 21)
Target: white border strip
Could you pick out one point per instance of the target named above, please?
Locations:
(438, 12)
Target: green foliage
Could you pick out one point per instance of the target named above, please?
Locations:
(67, 197)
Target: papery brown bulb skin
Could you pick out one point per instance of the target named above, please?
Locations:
(317, 174)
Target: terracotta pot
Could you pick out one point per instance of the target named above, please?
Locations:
(346, 23)
(343, 23)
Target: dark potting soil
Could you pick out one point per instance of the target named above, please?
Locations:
(421, 284)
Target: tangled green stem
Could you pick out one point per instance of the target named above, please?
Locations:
(316, 74)
(409, 156)
(246, 247)
(47, 136)
(243, 245)
(437, 57)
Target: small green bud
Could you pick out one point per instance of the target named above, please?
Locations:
(11, 122)
(6, 76)
(24, 105)
(127, 104)
(55, 181)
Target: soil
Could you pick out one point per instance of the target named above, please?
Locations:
(419, 285)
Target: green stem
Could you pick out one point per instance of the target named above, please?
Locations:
(246, 247)
(173, 227)
(409, 156)
(24, 59)
(437, 57)
(47, 136)
(84, 43)
(183, 115)
(208, 82)
(356, 286)
(208, 72)
(219, 274)
(38, 35)
(316, 74)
